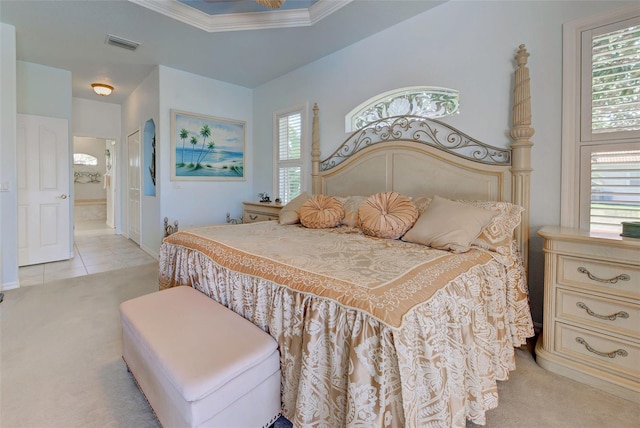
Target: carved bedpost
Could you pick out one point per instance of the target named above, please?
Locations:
(315, 152)
(521, 132)
(168, 230)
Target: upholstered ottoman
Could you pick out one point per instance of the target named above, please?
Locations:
(198, 363)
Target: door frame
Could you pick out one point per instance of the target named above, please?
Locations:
(117, 219)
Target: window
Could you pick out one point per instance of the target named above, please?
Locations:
(611, 81)
(84, 159)
(601, 122)
(289, 153)
(426, 101)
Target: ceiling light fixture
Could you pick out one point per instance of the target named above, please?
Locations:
(102, 89)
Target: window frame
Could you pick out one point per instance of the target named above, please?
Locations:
(303, 162)
(574, 136)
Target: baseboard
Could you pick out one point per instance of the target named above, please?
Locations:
(149, 251)
(10, 286)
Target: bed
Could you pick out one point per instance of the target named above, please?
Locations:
(375, 331)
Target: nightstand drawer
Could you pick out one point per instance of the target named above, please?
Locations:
(250, 217)
(596, 349)
(608, 314)
(258, 211)
(623, 280)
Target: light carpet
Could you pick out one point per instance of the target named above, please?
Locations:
(61, 366)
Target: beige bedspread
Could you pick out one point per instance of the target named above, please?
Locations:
(371, 332)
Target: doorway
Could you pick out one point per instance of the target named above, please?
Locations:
(94, 180)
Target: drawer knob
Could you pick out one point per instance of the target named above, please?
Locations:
(612, 317)
(621, 277)
(253, 217)
(612, 354)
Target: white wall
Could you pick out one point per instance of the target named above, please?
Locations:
(9, 198)
(140, 106)
(195, 203)
(96, 119)
(44, 91)
(464, 45)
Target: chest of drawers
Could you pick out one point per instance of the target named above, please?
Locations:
(591, 325)
(258, 211)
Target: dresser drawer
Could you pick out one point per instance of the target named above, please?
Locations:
(608, 314)
(258, 211)
(251, 217)
(606, 352)
(623, 280)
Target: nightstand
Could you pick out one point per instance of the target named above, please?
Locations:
(591, 328)
(260, 211)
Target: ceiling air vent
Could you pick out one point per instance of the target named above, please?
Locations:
(122, 43)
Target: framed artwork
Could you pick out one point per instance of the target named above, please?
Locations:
(206, 147)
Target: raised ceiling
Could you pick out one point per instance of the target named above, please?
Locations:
(237, 15)
(71, 35)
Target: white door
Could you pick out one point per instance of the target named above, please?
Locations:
(111, 182)
(133, 145)
(44, 221)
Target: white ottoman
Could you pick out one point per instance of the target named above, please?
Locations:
(198, 363)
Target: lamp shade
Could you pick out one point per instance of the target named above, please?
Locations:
(102, 89)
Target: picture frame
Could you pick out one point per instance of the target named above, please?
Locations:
(206, 148)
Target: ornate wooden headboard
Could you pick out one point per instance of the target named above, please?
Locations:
(421, 157)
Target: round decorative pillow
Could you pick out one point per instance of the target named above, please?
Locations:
(321, 212)
(387, 215)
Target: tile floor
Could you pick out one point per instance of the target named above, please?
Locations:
(97, 248)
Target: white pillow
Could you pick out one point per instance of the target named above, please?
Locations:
(290, 213)
(449, 225)
(351, 205)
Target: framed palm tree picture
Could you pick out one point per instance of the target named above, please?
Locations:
(206, 147)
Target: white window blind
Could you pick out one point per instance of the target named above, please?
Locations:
(289, 160)
(615, 189)
(289, 133)
(615, 86)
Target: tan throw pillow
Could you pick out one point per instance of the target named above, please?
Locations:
(387, 215)
(289, 214)
(321, 212)
(449, 225)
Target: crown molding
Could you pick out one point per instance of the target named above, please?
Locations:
(244, 21)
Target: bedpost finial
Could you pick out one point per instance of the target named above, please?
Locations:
(315, 109)
(522, 56)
